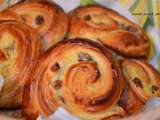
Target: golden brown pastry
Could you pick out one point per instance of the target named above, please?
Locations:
(47, 18)
(79, 75)
(19, 50)
(143, 82)
(110, 28)
(129, 101)
(8, 15)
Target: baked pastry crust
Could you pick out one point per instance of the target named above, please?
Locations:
(129, 101)
(19, 51)
(79, 75)
(142, 82)
(106, 26)
(46, 17)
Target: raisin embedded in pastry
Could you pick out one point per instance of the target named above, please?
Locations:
(81, 76)
(110, 28)
(47, 18)
(130, 101)
(143, 82)
(19, 50)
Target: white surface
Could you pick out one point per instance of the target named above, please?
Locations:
(67, 5)
(60, 114)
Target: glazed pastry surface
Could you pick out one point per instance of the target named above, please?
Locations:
(142, 82)
(108, 27)
(78, 73)
(19, 50)
(47, 18)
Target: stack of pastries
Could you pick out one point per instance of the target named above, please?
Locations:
(91, 61)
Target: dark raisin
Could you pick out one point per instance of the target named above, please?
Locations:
(41, 36)
(154, 89)
(132, 29)
(97, 74)
(138, 83)
(78, 99)
(95, 77)
(55, 67)
(23, 18)
(87, 17)
(39, 20)
(124, 97)
(85, 57)
(57, 84)
(127, 27)
(122, 26)
(99, 100)
(113, 66)
(61, 99)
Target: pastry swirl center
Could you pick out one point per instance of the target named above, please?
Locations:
(84, 80)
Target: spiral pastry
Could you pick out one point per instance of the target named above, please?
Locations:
(106, 26)
(130, 101)
(19, 50)
(47, 18)
(79, 75)
(143, 83)
(8, 15)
